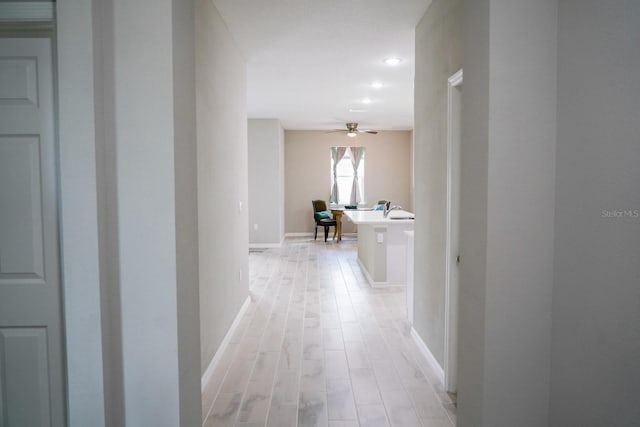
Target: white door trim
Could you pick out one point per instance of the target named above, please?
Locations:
(78, 211)
(451, 286)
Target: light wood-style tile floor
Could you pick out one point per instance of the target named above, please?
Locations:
(319, 347)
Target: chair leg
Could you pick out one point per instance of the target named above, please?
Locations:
(315, 236)
(326, 232)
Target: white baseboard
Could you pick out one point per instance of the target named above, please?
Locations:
(298, 234)
(431, 360)
(375, 284)
(311, 234)
(366, 274)
(208, 373)
(264, 245)
(267, 245)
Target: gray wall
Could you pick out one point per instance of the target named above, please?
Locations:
(596, 298)
(473, 205)
(144, 158)
(508, 156)
(108, 203)
(387, 173)
(146, 210)
(438, 56)
(149, 210)
(133, 206)
(549, 329)
(222, 178)
(266, 182)
(186, 206)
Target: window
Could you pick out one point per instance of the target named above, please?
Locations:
(347, 175)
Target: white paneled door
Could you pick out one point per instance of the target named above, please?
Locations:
(31, 351)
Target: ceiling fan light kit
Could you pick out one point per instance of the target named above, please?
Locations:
(352, 130)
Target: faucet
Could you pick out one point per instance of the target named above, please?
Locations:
(386, 210)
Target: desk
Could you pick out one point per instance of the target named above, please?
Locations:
(337, 215)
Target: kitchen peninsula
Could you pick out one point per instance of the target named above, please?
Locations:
(382, 245)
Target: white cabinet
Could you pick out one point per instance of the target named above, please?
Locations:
(382, 246)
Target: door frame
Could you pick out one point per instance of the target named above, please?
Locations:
(76, 83)
(454, 88)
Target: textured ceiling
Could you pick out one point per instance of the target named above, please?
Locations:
(309, 62)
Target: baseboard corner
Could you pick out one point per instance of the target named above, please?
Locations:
(208, 373)
(424, 350)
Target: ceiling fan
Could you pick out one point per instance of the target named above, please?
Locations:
(352, 130)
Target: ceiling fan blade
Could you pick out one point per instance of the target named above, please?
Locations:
(351, 129)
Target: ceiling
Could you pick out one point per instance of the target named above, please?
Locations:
(310, 62)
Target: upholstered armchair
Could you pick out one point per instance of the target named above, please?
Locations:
(322, 217)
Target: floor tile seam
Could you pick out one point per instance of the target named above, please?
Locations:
(345, 353)
(349, 290)
(419, 364)
(374, 377)
(224, 377)
(300, 256)
(228, 368)
(280, 356)
(273, 271)
(348, 293)
(395, 366)
(253, 365)
(266, 420)
(402, 383)
(321, 344)
(353, 395)
(395, 328)
(453, 422)
(304, 321)
(244, 394)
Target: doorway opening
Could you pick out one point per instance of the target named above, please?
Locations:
(452, 258)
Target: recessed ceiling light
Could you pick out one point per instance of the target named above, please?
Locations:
(392, 61)
(377, 85)
(366, 100)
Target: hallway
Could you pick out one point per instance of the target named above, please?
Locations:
(317, 346)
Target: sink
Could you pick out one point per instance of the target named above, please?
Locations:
(400, 215)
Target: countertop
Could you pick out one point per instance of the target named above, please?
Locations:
(376, 218)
